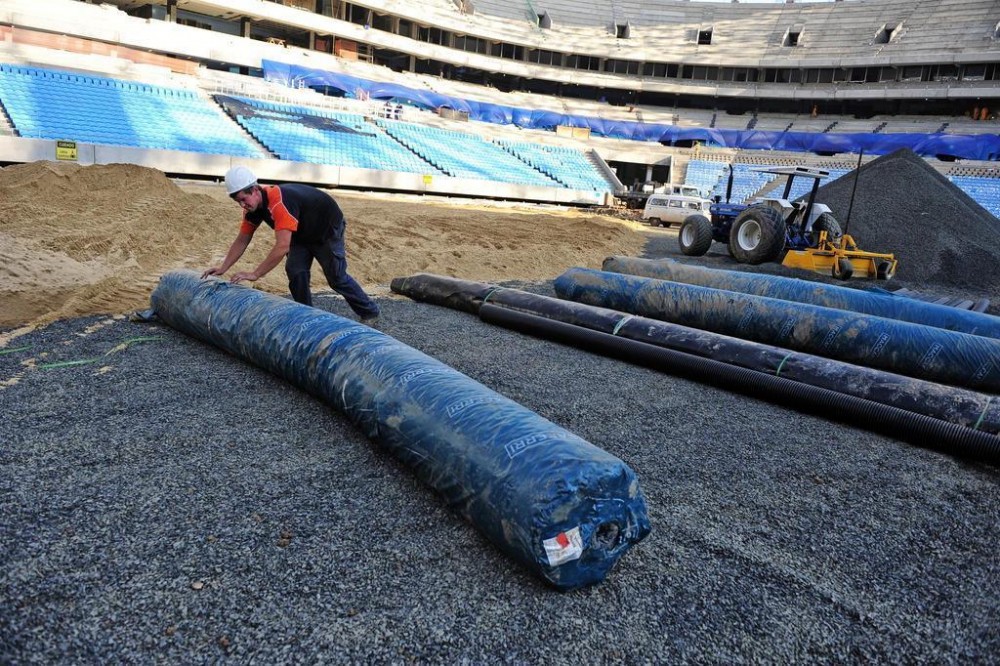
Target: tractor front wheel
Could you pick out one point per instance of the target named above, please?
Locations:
(695, 236)
(758, 235)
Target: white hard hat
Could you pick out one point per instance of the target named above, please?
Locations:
(239, 178)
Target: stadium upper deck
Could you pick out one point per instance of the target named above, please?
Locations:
(867, 56)
(678, 29)
(83, 37)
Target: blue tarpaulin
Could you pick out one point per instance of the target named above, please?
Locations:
(977, 147)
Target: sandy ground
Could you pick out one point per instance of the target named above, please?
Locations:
(89, 240)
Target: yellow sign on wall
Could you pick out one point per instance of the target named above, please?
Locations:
(66, 150)
(428, 178)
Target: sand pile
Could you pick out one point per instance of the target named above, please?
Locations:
(91, 240)
(939, 234)
(76, 240)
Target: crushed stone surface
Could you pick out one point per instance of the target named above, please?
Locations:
(164, 501)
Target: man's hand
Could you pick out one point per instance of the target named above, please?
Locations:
(214, 270)
(246, 276)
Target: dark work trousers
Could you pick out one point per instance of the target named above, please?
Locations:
(333, 259)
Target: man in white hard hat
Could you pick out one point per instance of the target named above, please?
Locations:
(308, 224)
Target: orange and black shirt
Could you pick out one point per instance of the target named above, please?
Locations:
(310, 214)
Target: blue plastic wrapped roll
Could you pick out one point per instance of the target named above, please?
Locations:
(952, 404)
(880, 304)
(910, 349)
(564, 508)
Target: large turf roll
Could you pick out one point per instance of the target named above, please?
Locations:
(951, 404)
(878, 303)
(910, 349)
(564, 508)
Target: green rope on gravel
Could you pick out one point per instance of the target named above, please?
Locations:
(117, 348)
(130, 341)
(14, 350)
(63, 364)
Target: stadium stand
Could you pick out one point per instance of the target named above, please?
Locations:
(290, 132)
(465, 155)
(325, 137)
(985, 190)
(748, 180)
(647, 81)
(563, 164)
(53, 104)
(706, 175)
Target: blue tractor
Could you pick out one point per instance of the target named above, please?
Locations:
(762, 231)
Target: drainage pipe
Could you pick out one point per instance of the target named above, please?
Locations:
(557, 504)
(910, 349)
(880, 303)
(946, 403)
(921, 430)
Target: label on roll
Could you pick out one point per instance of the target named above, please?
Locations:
(564, 547)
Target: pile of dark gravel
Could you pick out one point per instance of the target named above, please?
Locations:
(939, 234)
(165, 502)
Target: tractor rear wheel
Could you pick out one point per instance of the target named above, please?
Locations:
(695, 236)
(829, 224)
(758, 235)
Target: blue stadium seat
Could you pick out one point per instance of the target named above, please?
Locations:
(101, 107)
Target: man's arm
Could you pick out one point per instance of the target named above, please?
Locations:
(236, 251)
(282, 241)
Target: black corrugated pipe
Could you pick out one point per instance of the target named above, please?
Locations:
(918, 429)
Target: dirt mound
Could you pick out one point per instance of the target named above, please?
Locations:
(75, 239)
(27, 182)
(78, 240)
(939, 234)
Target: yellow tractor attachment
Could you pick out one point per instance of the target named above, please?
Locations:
(842, 259)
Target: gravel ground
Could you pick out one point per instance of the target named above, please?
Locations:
(167, 502)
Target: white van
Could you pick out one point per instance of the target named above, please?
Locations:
(667, 209)
(683, 190)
